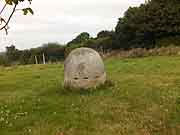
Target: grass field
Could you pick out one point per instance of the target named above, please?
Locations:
(143, 100)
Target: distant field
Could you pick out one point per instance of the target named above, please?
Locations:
(144, 100)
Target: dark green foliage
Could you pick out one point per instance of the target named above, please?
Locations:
(102, 43)
(143, 26)
(80, 38)
(4, 60)
(12, 53)
(104, 34)
(168, 41)
(99, 44)
(25, 57)
(53, 52)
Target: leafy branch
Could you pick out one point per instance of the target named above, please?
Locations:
(13, 3)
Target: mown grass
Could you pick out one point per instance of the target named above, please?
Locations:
(143, 100)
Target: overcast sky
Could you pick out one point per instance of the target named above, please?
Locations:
(62, 20)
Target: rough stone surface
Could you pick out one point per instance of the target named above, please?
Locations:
(84, 68)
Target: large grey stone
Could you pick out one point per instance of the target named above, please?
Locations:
(84, 68)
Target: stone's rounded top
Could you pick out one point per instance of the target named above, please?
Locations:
(83, 51)
(84, 68)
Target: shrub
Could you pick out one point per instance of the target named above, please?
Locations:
(142, 52)
(4, 61)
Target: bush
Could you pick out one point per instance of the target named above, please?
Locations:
(142, 52)
(4, 61)
(168, 41)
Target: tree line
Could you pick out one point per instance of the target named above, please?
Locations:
(153, 24)
(53, 52)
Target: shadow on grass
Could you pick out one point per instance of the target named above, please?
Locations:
(69, 91)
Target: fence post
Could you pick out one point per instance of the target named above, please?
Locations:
(36, 59)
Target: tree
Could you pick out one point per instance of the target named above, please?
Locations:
(4, 60)
(144, 26)
(12, 53)
(53, 51)
(80, 38)
(105, 33)
(25, 57)
(4, 22)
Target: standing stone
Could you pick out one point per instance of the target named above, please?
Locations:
(84, 68)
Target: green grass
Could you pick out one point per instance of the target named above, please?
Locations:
(144, 100)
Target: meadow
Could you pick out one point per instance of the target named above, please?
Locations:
(143, 99)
